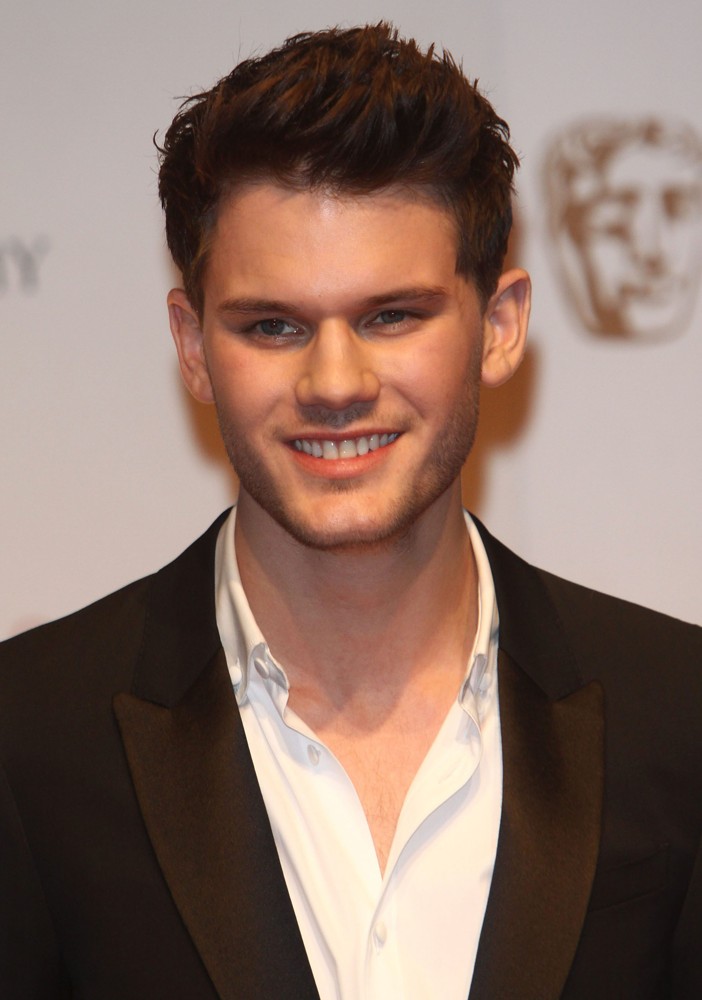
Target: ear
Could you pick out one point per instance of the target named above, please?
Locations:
(189, 341)
(505, 327)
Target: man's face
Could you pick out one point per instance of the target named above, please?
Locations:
(641, 242)
(343, 353)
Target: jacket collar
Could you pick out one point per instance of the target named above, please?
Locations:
(180, 631)
(531, 632)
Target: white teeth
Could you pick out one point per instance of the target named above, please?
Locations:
(350, 448)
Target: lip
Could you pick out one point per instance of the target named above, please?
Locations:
(653, 291)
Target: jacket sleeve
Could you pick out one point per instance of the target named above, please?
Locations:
(30, 967)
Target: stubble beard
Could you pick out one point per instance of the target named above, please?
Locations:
(440, 472)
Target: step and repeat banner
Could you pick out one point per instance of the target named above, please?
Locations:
(589, 462)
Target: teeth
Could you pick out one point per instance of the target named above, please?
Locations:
(351, 448)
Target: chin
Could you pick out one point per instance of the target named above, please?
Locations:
(346, 535)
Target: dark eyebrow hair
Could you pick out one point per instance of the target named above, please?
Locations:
(410, 296)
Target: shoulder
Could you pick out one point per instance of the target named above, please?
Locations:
(71, 667)
(564, 634)
(96, 649)
(593, 620)
(647, 664)
(600, 622)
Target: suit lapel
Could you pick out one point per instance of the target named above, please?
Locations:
(207, 821)
(199, 797)
(552, 735)
(549, 835)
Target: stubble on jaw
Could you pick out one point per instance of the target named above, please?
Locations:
(444, 468)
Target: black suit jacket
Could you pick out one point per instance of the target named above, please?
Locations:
(136, 857)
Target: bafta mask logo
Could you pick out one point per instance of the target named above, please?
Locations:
(625, 220)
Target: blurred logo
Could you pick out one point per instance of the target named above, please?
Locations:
(20, 263)
(625, 218)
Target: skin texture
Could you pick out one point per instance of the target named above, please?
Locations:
(328, 318)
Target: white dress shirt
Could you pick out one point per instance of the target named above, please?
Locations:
(412, 933)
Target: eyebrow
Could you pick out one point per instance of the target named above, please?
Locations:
(408, 296)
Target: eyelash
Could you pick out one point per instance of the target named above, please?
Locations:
(402, 313)
(256, 328)
(295, 330)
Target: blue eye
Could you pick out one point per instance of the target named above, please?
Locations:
(275, 327)
(391, 316)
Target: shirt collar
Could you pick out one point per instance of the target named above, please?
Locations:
(241, 637)
(245, 647)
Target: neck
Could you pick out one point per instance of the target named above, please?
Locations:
(331, 617)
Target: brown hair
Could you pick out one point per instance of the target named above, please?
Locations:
(352, 110)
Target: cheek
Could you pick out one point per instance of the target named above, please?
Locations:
(684, 246)
(437, 379)
(608, 261)
(246, 386)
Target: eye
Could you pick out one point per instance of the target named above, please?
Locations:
(681, 203)
(275, 327)
(396, 320)
(391, 317)
(610, 217)
(391, 321)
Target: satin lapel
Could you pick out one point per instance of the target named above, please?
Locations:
(548, 842)
(208, 825)
(197, 790)
(553, 758)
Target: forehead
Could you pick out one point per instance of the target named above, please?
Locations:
(273, 200)
(326, 241)
(647, 165)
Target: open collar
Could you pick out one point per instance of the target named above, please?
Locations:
(207, 821)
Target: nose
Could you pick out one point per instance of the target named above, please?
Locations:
(338, 369)
(648, 233)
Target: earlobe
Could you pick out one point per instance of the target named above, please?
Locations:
(188, 337)
(505, 327)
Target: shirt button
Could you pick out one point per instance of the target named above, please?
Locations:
(262, 669)
(313, 754)
(380, 934)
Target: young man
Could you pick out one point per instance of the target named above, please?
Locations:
(347, 745)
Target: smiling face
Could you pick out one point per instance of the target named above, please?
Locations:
(344, 354)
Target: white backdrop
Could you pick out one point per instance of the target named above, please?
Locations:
(589, 463)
